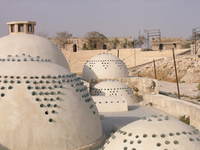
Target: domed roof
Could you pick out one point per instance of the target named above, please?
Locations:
(104, 66)
(44, 107)
(113, 88)
(156, 132)
(29, 44)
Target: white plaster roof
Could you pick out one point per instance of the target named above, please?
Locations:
(45, 107)
(28, 44)
(31, 69)
(104, 66)
(155, 132)
(112, 88)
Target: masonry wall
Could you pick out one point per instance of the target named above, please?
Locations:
(175, 107)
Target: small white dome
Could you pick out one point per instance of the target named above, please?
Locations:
(152, 133)
(113, 88)
(29, 44)
(104, 66)
(44, 107)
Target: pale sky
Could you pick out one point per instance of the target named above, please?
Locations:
(112, 17)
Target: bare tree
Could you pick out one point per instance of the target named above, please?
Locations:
(139, 42)
(62, 38)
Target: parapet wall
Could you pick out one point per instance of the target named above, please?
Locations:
(110, 103)
(175, 107)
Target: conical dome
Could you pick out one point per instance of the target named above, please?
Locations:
(30, 44)
(44, 107)
(155, 133)
(104, 66)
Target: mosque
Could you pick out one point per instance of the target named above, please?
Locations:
(44, 106)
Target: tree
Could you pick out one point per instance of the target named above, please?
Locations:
(115, 43)
(62, 38)
(95, 40)
(139, 42)
(131, 44)
(125, 43)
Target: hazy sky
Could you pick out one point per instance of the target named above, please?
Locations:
(112, 17)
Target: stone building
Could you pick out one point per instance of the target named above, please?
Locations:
(74, 44)
(168, 43)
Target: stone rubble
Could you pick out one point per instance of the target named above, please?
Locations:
(188, 68)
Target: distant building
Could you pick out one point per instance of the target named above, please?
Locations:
(74, 44)
(168, 43)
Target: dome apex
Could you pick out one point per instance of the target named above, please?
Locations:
(104, 66)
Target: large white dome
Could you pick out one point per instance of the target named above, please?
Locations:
(44, 107)
(155, 133)
(29, 44)
(104, 66)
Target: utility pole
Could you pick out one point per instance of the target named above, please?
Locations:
(118, 53)
(177, 83)
(135, 57)
(154, 66)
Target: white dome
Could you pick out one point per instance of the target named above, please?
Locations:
(104, 66)
(113, 88)
(44, 107)
(156, 132)
(28, 44)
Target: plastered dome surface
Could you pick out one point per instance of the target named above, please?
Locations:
(113, 88)
(155, 133)
(30, 44)
(44, 107)
(104, 66)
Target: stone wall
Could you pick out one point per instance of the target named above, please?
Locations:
(175, 107)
